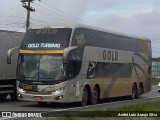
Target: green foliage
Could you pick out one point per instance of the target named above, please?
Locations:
(155, 81)
(67, 118)
(147, 107)
(156, 59)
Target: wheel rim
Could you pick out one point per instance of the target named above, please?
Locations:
(94, 96)
(84, 97)
(139, 92)
(133, 92)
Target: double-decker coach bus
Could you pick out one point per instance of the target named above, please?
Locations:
(80, 63)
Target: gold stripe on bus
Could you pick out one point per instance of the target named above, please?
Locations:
(41, 51)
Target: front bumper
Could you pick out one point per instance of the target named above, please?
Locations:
(61, 98)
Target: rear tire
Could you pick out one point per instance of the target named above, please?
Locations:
(139, 92)
(94, 96)
(134, 92)
(84, 97)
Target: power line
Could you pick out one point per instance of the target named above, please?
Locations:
(38, 20)
(11, 9)
(52, 15)
(52, 11)
(67, 13)
(61, 11)
(9, 18)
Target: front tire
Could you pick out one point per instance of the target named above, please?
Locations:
(84, 97)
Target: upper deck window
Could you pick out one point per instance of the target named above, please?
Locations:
(47, 38)
(96, 38)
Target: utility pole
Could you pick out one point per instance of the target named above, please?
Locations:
(29, 9)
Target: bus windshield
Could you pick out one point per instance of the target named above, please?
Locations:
(41, 67)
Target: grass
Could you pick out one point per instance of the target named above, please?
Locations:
(148, 106)
(99, 114)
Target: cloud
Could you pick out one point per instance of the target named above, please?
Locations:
(132, 17)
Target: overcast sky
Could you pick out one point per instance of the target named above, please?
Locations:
(139, 18)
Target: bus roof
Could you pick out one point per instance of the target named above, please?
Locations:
(62, 25)
(80, 25)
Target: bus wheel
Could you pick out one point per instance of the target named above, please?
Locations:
(134, 92)
(139, 92)
(3, 96)
(94, 96)
(84, 97)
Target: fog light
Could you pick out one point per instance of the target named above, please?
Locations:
(59, 97)
(20, 96)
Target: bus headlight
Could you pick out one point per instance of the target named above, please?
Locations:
(58, 91)
(21, 90)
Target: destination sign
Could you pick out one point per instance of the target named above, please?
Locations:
(46, 38)
(43, 45)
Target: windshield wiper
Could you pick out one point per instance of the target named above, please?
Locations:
(23, 76)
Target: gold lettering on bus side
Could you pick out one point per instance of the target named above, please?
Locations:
(46, 31)
(110, 55)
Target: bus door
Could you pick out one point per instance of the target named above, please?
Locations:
(73, 88)
(71, 82)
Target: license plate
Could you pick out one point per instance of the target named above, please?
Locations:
(27, 87)
(37, 98)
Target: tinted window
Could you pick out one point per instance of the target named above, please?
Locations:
(89, 37)
(109, 70)
(74, 68)
(57, 38)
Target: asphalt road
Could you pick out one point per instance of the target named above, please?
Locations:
(9, 105)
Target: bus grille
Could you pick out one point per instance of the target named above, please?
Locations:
(39, 93)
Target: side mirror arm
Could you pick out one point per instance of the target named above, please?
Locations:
(9, 53)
